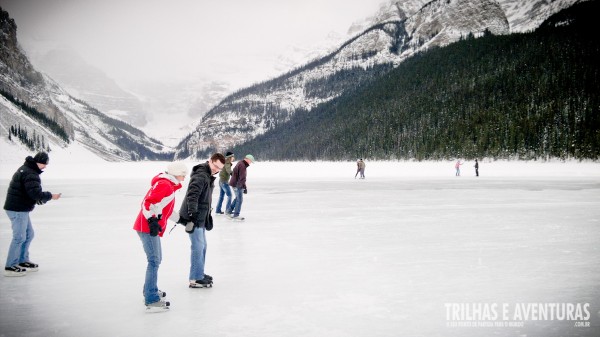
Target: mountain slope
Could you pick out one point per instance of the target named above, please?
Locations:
(525, 96)
(399, 30)
(91, 85)
(36, 106)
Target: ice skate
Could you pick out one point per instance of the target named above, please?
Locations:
(236, 217)
(206, 282)
(158, 306)
(14, 271)
(161, 295)
(29, 266)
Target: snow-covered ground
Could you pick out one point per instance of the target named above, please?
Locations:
(321, 254)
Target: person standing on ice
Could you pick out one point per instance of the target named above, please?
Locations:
(457, 167)
(476, 168)
(24, 192)
(238, 182)
(361, 168)
(195, 212)
(224, 189)
(158, 206)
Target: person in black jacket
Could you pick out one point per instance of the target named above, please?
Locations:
(24, 192)
(195, 213)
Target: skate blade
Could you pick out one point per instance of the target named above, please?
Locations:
(155, 310)
(31, 270)
(201, 285)
(13, 274)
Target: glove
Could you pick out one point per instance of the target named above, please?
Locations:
(193, 217)
(245, 191)
(154, 226)
(189, 227)
(209, 223)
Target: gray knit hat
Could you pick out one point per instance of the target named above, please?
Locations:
(177, 168)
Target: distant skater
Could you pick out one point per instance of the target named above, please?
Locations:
(360, 168)
(457, 167)
(24, 192)
(225, 189)
(476, 168)
(238, 182)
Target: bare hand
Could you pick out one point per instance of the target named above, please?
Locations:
(56, 196)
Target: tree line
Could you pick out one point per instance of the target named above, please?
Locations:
(34, 142)
(32, 112)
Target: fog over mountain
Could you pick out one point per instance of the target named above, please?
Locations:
(197, 51)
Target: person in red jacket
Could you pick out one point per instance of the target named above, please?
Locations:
(158, 206)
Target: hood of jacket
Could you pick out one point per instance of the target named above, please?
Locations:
(168, 177)
(30, 162)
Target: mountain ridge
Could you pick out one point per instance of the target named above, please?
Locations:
(30, 98)
(518, 96)
(398, 31)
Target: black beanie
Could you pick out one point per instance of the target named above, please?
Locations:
(228, 154)
(42, 158)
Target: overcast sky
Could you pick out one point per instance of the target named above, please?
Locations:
(232, 40)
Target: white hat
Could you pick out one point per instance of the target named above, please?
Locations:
(177, 168)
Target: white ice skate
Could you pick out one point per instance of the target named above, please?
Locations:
(158, 306)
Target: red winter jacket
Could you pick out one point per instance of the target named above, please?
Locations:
(160, 200)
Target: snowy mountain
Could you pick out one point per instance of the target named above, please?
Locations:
(173, 107)
(167, 110)
(399, 30)
(90, 84)
(36, 113)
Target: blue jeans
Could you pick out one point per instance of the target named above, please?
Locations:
(154, 255)
(225, 190)
(18, 251)
(198, 257)
(236, 204)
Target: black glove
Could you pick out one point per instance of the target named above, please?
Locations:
(209, 223)
(194, 217)
(154, 226)
(245, 191)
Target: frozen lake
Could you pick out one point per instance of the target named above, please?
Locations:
(321, 254)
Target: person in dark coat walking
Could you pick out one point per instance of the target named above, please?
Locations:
(238, 182)
(24, 192)
(195, 213)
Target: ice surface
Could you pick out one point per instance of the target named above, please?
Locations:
(320, 254)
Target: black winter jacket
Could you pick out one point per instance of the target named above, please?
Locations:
(25, 188)
(196, 206)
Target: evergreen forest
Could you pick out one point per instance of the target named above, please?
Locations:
(521, 96)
